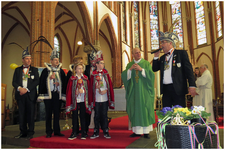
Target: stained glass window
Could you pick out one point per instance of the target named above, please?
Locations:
(124, 20)
(136, 25)
(57, 45)
(154, 27)
(177, 28)
(218, 19)
(200, 22)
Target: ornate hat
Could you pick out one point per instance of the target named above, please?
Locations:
(167, 36)
(25, 53)
(170, 36)
(99, 56)
(54, 54)
(92, 58)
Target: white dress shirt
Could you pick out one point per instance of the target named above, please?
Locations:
(167, 79)
(53, 86)
(24, 82)
(80, 96)
(99, 97)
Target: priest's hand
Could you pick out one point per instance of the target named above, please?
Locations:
(132, 67)
(192, 91)
(137, 67)
(22, 91)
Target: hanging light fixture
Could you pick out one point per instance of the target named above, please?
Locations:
(79, 43)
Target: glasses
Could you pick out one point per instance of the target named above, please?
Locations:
(164, 42)
(101, 63)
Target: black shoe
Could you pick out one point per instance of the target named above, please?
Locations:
(106, 135)
(59, 134)
(134, 135)
(83, 136)
(86, 135)
(95, 135)
(72, 136)
(146, 136)
(48, 135)
(20, 136)
(29, 137)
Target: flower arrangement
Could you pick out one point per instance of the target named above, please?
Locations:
(185, 113)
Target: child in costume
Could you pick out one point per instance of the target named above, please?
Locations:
(101, 96)
(77, 98)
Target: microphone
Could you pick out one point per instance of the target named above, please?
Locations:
(154, 51)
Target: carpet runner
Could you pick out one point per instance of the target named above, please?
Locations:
(118, 131)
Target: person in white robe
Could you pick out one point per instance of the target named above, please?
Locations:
(204, 90)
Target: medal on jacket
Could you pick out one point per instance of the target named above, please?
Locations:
(26, 75)
(99, 80)
(166, 64)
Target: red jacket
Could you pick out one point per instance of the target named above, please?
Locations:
(92, 87)
(71, 97)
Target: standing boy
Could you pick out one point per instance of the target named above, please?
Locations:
(101, 96)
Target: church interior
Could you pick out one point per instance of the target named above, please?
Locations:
(115, 28)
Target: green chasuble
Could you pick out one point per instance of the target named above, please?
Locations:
(140, 95)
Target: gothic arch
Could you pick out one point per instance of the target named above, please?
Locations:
(124, 51)
(115, 53)
(201, 56)
(87, 20)
(220, 48)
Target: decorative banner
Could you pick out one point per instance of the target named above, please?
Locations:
(13, 66)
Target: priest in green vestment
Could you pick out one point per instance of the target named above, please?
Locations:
(138, 79)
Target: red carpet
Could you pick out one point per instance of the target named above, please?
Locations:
(118, 131)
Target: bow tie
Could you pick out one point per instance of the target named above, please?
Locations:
(167, 54)
(25, 67)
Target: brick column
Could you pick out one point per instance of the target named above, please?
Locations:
(42, 24)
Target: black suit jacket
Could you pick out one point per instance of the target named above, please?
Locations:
(181, 71)
(31, 85)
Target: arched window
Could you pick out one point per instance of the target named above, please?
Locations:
(177, 28)
(218, 20)
(136, 25)
(200, 22)
(124, 38)
(154, 26)
(57, 46)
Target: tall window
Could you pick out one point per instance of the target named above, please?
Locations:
(177, 28)
(124, 21)
(136, 25)
(200, 22)
(57, 46)
(218, 19)
(154, 27)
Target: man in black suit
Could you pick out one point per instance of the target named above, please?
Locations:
(52, 90)
(175, 69)
(25, 81)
